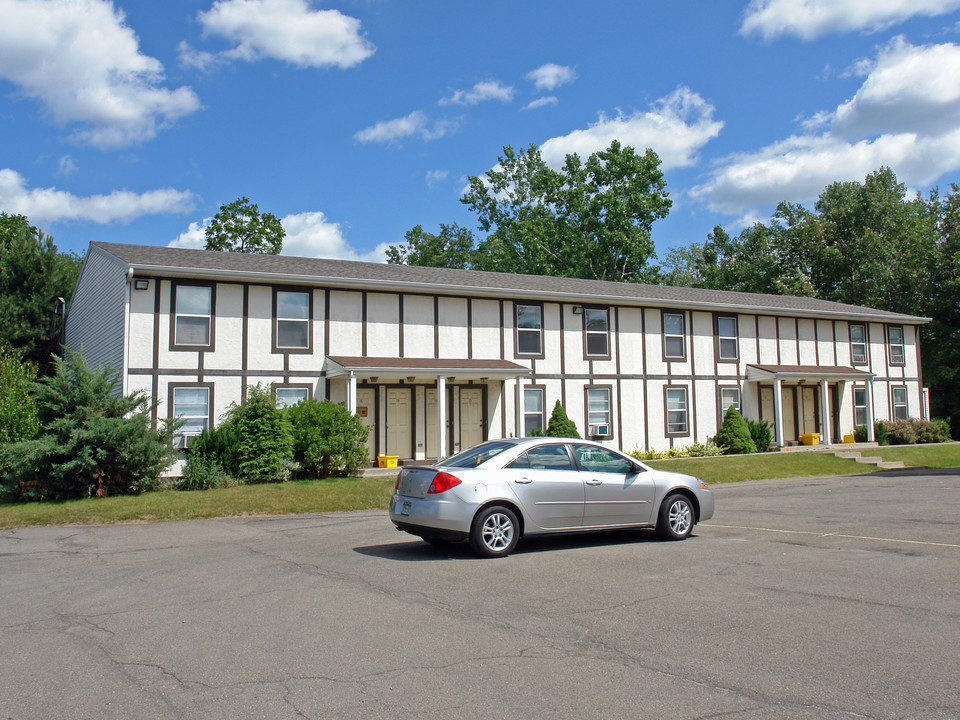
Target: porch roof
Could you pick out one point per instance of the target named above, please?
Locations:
(335, 365)
(757, 373)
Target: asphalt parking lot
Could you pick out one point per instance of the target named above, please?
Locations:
(819, 598)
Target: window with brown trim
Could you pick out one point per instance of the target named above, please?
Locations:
(858, 344)
(728, 344)
(192, 310)
(675, 399)
(292, 320)
(192, 404)
(729, 396)
(529, 319)
(599, 411)
(899, 399)
(895, 344)
(596, 332)
(289, 394)
(533, 411)
(859, 406)
(674, 343)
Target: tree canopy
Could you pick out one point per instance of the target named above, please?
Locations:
(240, 227)
(589, 219)
(33, 278)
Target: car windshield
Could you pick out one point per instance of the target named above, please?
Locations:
(477, 454)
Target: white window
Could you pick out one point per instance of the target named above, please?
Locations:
(729, 396)
(673, 344)
(532, 411)
(859, 406)
(529, 330)
(677, 411)
(192, 406)
(194, 313)
(598, 411)
(899, 403)
(895, 338)
(858, 344)
(727, 337)
(596, 326)
(293, 320)
(290, 396)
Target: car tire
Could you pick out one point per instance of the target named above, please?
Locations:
(495, 532)
(676, 518)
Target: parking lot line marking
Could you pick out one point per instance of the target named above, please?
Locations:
(840, 535)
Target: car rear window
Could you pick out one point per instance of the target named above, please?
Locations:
(476, 455)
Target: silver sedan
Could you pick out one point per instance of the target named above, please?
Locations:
(497, 491)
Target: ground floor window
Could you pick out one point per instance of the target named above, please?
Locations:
(289, 395)
(191, 405)
(729, 396)
(598, 412)
(532, 411)
(860, 406)
(676, 411)
(900, 403)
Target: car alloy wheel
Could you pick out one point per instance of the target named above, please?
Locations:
(676, 518)
(495, 532)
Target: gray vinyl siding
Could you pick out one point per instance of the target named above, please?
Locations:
(96, 317)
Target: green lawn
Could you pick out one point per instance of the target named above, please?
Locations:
(314, 496)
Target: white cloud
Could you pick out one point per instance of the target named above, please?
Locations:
(52, 205)
(540, 102)
(551, 76)
(906, 115)
(308, 234)
(482, 91)
(436, 176)
(286, 30)
(66, 167)
(908, 89)
(416, 123)
(675, 127)
(82, 62)
(810, 19)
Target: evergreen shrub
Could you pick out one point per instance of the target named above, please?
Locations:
(262, 436)
(327, 438)
(734, 434)
(560, 426)
(761, 432)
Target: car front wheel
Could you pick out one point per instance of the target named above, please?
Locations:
(495, 532)
(676, 518)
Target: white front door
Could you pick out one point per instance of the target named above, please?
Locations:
(430, 412)
(471, 417)
(367, 409)
(399, 422)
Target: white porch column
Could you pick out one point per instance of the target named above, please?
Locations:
(778, 410)
(441, 417)
(826, 423)
(870, 434)
(519, 419)
(352, 393)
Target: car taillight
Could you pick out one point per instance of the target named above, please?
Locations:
(397, 486)
(442, 482)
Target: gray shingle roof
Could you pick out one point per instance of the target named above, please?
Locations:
(179, 262)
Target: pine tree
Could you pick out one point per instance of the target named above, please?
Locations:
(734, 434)
(560, 425)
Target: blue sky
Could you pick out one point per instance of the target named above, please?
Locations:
(356, 120)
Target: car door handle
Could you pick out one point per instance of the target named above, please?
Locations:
(523, 481)
(594, 481)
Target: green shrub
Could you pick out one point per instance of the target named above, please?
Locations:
(761, 432)
(880, 430)
(220, 445)
(18, 404)
(561, 426)
(327, 438)
(91, 442)
(264, 444)
(203, 472)
(695, 450)
(901, 432)
(860, 433)
(734, 435)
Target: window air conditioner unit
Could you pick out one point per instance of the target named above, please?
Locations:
(599, 430)
(182, 442)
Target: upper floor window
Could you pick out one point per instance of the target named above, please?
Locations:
(858, 344)
(193, 316)
(597, 329)
(895, 341)
(673, 342)
(529, 329)
(292, 320)
(727, 338)
(899, 403)
(532, 411)
(676, 398)
(859, 406)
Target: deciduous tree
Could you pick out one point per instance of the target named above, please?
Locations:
(240, 227)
